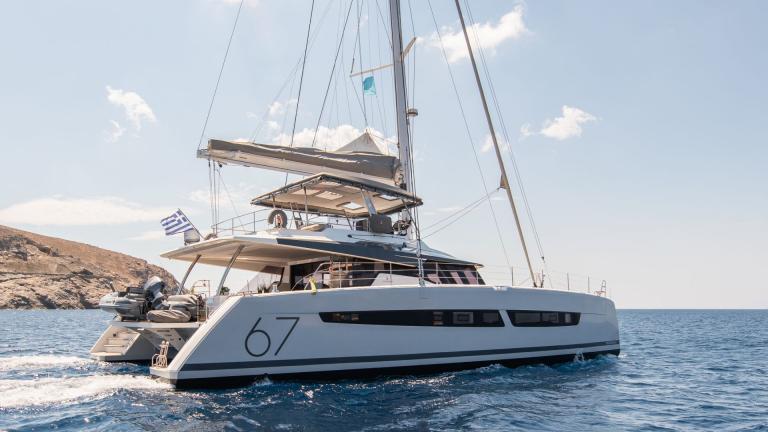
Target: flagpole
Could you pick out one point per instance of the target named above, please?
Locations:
(190, 222)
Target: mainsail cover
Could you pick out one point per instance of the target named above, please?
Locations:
(361, 158)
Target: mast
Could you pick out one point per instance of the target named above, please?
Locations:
(403, 135)
(401, 101)
(504, 178)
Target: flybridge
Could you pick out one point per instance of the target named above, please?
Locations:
(336, 195)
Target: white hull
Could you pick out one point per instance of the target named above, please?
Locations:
(283, 334)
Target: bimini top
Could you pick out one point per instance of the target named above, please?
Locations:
(338, 195)
(360, 158)
(270, 251)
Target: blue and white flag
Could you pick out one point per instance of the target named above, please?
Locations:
(176, 223)
(369, 86)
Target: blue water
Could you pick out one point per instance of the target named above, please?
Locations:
(679, 370)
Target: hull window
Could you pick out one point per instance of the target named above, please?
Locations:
(439, 318)
(543, 318)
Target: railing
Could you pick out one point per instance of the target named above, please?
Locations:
(203, 289)
(249, 223)
(564, 281)
(160, 360)
(344, 274)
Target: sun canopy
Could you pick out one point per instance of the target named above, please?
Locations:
(360, 158)
(338, 195)
(271, 254)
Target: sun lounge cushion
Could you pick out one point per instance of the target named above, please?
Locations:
(168, 316)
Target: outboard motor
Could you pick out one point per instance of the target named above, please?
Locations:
(153, 292)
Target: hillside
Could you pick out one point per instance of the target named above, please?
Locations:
(40, 272)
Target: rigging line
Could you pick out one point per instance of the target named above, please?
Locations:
(384, 25)
(217, 186)
(379, 102)
(231, 202)
(221, 72)
(215, 196)
(346, 94)
(499, 157)
(509, 145)
(301, 80)
(413, 100)
(291, 74)
(511, 154)
(330, 78)
(360, 55)
(210, 191)
(334, 106)
(301, 77)
(285, 116)
(370, 51)
(334, 109)
(360, 103)
(413, 63)
(458, 213)
(469, 135)
(465, 213)
(506, 135)
(380, 90)
(437, 230)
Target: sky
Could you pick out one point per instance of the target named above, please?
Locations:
(639, 132)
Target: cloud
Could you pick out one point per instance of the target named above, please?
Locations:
(149, 235)
(248, 3)
(116, 132)
(450, 209)
(136, 108)
(525, 130)
(62, 211)
(490, 36)
(488, 144)
(277, 108)
(273, 126)
(327, 138)
(568, 125)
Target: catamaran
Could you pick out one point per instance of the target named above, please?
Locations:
(355, 291)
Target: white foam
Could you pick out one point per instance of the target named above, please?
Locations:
(39, 362)
(22, 393)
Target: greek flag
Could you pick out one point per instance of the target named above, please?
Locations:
(176, 223)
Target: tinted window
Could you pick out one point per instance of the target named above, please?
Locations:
(455, 318)
(543, 318)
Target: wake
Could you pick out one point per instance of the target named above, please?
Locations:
(40, 362)
(44, 391)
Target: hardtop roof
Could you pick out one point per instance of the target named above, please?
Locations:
(338, 195)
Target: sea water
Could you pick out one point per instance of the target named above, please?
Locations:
(678, 370)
